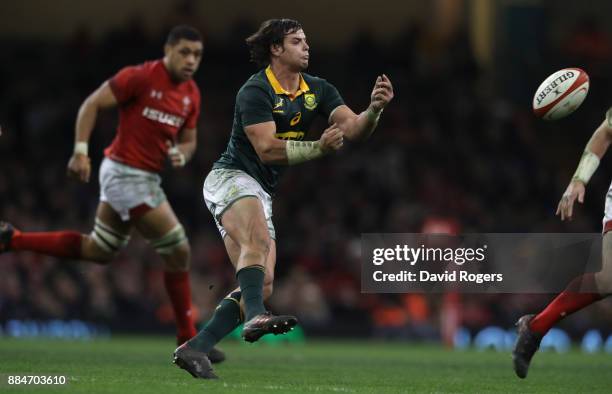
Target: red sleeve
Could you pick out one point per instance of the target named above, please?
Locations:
(128, 83)
(192, 120)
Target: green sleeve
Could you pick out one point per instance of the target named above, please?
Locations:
(331, 99)
(254, 105)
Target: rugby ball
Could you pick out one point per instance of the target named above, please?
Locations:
(561, 93)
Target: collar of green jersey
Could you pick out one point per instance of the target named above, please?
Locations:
(278, 89)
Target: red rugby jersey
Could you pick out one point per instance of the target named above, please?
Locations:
(152, 110)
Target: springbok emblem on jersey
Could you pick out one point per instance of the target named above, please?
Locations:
(310, 102)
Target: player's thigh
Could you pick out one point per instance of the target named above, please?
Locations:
(156, 222)
(245, 223)
(107, 214)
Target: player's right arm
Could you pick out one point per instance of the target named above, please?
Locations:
(79, 166)
(272, 150)
(596, 148)
(255, 107)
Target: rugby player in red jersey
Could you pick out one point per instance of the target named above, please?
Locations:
(584, 289)
(159, 104)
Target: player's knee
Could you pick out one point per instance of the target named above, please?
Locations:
(103, 243)
(179, 259)
(91, 251)
(174, 248)
(259, 244)
(182, 252)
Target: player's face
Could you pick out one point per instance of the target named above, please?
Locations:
(183, 58)
(295, 51)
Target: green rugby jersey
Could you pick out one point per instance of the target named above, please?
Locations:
(263, 99)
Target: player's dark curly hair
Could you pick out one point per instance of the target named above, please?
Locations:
(272, 31)
(183, 32)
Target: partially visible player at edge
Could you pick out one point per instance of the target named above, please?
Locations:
(159, 105)
(585, 289)
(274, 109)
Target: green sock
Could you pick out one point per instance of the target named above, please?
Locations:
(251, 280)
(225, 319)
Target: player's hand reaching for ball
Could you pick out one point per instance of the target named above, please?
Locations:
(575, 190)
(382, 93)
(332, 139)
(79, 167)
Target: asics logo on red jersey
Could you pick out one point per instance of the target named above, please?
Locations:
(163, 117)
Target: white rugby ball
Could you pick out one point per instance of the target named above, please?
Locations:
(561, 93)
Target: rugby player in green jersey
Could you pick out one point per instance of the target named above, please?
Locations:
(274, 109)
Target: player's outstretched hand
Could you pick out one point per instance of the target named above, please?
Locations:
(382, 93)
(575, 190)
(332, 139)
(79, 167)
(177, 158)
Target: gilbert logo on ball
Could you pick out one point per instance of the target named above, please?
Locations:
(561, 93)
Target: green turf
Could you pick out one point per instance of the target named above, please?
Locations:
(142, 365)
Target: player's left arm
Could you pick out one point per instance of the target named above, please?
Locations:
(360, 127)
(181, 152)
(594, 151)
(183, 149)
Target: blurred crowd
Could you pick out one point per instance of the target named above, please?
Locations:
(454, 149)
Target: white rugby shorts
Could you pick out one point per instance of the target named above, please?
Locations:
(223, 187)
(125, 187)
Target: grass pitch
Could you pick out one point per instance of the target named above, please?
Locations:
(143, 365)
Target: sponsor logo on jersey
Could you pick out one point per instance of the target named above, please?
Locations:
(310, 101)
(290, 135)
(163, 117)
(296, 119)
